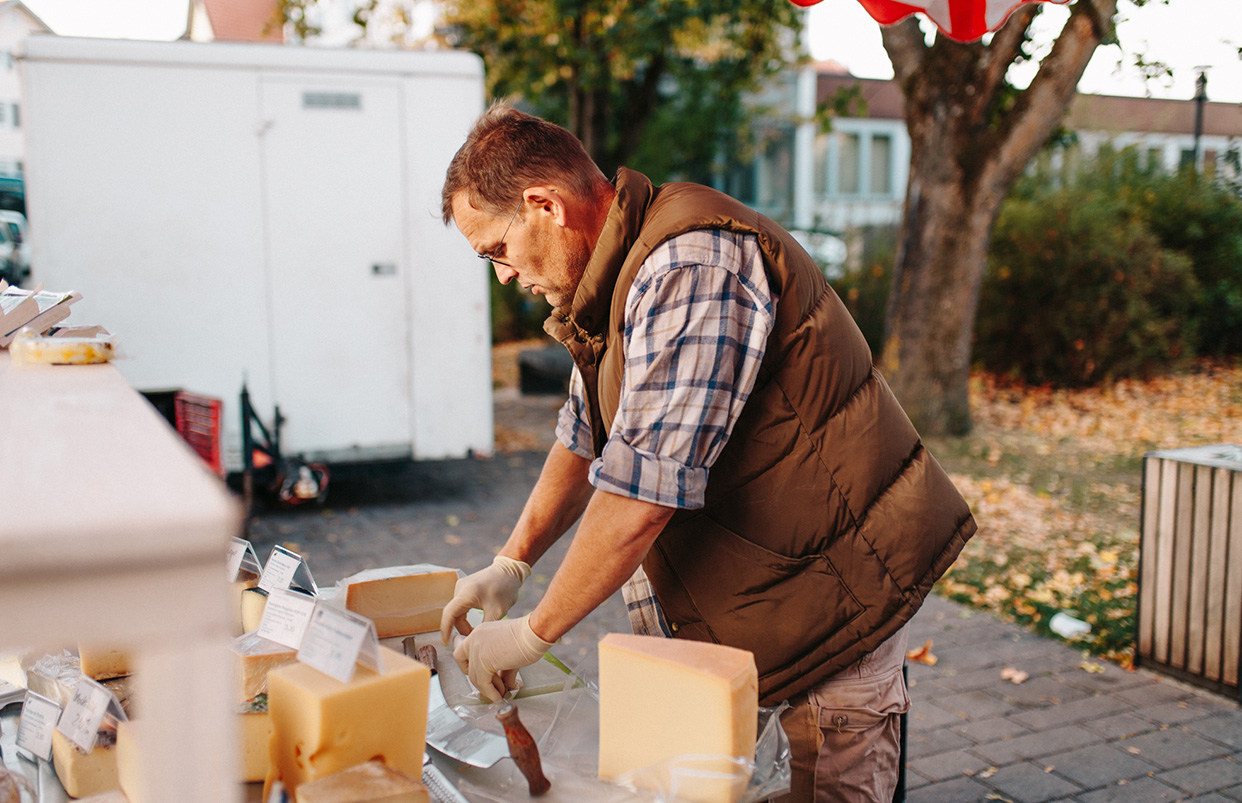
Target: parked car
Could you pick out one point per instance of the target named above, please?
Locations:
(13, 268)
(17, 253)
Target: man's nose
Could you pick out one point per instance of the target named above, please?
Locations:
(504, 273)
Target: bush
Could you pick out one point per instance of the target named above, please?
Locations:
(864, 288)
(516, 314)
(1079, 290)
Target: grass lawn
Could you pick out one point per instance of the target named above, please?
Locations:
(1055, 481)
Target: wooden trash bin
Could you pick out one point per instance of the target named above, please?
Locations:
(1190, 566)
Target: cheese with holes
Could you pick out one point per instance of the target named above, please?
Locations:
(253, 601)
(371, 782)
(84, 774)
(680, 715)
(255, 657)
(102, 663)
(321, 725)
(256, 733)
(402, 604)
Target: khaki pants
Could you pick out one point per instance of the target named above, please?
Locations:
(845, 733)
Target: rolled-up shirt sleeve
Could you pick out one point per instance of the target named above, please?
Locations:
(697, 320)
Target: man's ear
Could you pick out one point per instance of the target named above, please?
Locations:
(548, 200)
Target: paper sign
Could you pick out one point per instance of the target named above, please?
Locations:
(34, 731)
(84, 714)
(241, 556)
(337, 640)
(285, 569)
(286, 616)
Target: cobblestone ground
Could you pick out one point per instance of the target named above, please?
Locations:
(454, 513)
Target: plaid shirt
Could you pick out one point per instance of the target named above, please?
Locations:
(697, 320)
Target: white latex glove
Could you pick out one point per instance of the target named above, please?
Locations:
(492, 590)
(493, 653)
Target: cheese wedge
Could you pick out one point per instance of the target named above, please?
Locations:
(255, 657)
(131, 754)
(115, 796)
(253, 601)
(246, 579)
(321, 725)
(403, 604)
(84, 774)
(256, 733)
(372, 782)
(683, 712)
(102, 663)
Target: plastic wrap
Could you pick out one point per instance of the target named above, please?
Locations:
(28, 349)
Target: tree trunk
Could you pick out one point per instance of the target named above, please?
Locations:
(970, 137)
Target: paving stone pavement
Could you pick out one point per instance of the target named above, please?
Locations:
(1064, 734)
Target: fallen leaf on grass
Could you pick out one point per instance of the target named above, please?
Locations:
(1014, 676)
(923, 655)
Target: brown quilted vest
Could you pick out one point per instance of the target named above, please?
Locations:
(826, 520)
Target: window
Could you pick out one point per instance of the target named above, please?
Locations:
(17, 117)
(819, 184)
(881, 178)
(848, 164)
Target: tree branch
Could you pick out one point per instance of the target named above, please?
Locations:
(1041, 107)
(1005, 47)
(906, 49)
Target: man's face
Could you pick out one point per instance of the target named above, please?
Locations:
(533, 246)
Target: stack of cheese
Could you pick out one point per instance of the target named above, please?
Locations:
(55, 677)
(677, 716)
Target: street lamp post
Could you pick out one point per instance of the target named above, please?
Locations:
(1200, 99)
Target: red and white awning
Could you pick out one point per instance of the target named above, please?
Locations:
(962, 20)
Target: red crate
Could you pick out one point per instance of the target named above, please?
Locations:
(198, 421)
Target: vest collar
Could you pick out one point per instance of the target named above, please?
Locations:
(586, 317)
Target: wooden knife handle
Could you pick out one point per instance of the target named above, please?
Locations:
(523, 749)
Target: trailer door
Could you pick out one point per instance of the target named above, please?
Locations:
(333, 191)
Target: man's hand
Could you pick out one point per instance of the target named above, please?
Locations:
(493, 653)
(493, 590)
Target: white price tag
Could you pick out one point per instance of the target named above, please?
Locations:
(286, 616)
(241, 555)
(85, 713)
(286, 568)
(336, 640)
(34, 731)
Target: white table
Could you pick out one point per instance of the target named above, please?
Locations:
(113, 531)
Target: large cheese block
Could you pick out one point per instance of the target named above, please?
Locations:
(255, 657)
(131, 755)
(256, 734)
(253, 602)
(685, 712)
(321, 725)
(84, 774)
(372, 782)
(401, 603)
(103, 662)
(115, 796)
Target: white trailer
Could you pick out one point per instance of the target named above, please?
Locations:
(270, 214)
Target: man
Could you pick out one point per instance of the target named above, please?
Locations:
(737, 463)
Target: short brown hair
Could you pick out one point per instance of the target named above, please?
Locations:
(508, 151)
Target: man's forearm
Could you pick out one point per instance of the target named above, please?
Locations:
(610, 544)
(556, 502)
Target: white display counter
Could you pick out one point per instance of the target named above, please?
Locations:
(112, 531)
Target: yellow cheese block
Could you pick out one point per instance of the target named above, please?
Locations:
(131, 752)
(115, 796)
(661, 699)
(253, 601)
(246, 579)
(404, 604)
(84, 774)
(372, 782)
(102, 663)
(321, 725)
(255, 657)
(256, 733)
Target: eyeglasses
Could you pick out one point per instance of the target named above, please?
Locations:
(491, 260)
